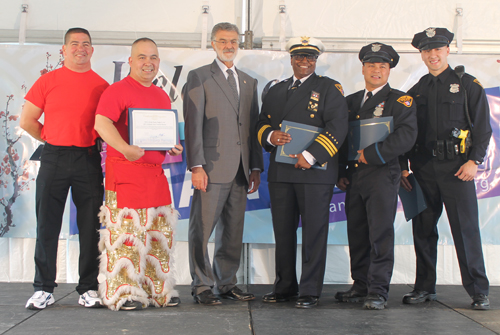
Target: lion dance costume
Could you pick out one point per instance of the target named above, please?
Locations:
(138, 235)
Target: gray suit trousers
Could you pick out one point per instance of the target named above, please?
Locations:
(222, 207)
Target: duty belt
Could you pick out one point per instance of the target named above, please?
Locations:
(442, 149)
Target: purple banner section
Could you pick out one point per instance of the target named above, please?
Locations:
(337, 206)
(487, 181)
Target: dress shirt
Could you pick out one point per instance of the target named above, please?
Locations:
(375, 91)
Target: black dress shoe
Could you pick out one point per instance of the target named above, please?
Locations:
(480, 302)
(350, 296)
(307, 301)
(236, 294)
(375, 301)
(206, 298)
(276, 297)
(417, 297)
(174, 301)
(131, 305)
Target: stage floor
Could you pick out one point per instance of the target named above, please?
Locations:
(451, 314)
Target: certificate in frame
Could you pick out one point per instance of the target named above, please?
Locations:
(153, 129)
(303, 135)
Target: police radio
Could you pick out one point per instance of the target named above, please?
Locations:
(460, 71)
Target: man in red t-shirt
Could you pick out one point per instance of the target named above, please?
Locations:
(67, 97)
(138, 217)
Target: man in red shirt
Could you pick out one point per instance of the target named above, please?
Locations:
(138, 217)
(68, 98)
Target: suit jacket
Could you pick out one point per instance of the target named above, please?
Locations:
(396, 104)
(218, 134)
(329, 114)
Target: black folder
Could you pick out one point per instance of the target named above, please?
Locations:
(365, 132)
(413, 201)
(37, 154)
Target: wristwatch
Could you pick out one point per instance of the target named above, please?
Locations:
(478, 162)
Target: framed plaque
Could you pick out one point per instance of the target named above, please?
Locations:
(153, 129)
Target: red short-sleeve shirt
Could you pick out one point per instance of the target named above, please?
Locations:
(68, 100)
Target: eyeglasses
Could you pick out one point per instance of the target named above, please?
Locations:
(224, 42)
(310, 58)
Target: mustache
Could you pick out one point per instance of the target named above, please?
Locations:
(229, 50)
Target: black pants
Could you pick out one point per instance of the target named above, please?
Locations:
(312, 203)
(60, 169)
(371, 204)
(439, 185)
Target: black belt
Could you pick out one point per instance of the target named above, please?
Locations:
(90, 149)
(442, 149)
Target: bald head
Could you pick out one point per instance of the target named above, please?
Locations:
(144, 61)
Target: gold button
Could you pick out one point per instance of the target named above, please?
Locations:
(357, 116)
(356, 165)
(312, 116)
(269, 115)
(280, 125)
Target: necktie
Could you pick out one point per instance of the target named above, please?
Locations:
(292, 89)
(432, 117)
(232, 84)
(369, 95)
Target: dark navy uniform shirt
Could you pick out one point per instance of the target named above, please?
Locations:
(451, 112)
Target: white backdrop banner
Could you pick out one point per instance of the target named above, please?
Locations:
(21, 66)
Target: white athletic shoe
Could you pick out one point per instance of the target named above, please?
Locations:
(40, 300)
(90, 299)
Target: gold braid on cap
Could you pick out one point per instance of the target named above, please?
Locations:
(302, 47)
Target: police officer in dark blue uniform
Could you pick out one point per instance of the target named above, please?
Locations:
(445, 173)
(299, 190)
(372, 181)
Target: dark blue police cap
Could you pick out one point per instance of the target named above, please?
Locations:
(379, 53)
(432, 38)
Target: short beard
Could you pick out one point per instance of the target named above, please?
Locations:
(223, 57)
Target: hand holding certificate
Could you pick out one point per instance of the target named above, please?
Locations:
(153, 129)
(365, 132)
(302, 137)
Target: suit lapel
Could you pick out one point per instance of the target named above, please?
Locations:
(221, 80)
(279, 99)
(356, 101)
(244, 86)
(302, 91)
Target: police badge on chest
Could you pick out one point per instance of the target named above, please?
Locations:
(379, 110)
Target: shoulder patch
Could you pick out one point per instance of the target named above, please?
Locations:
(339, 87)
(477, 82)
(406, 100)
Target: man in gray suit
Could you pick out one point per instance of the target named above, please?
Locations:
(220, 113)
